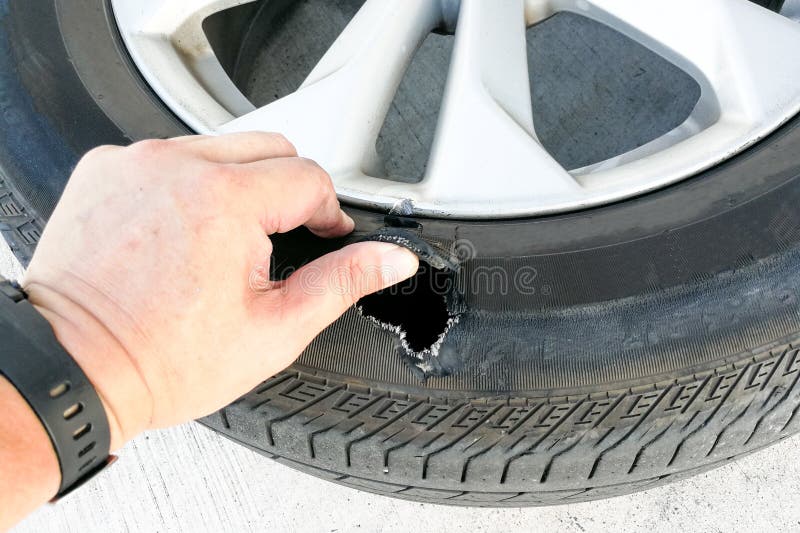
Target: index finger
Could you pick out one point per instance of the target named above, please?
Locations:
(294, 192)
(244, 147)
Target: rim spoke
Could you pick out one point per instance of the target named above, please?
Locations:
(337, 113)
(485, 148)
(737, 51)
(485, 161)
(168, 17)
(169, 33)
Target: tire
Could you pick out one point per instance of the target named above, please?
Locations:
(634, 344)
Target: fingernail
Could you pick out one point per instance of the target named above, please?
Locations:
(400, 262)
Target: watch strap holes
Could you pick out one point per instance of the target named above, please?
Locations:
(73, 410)
(81, 431)
(86, 449)
(60, 389)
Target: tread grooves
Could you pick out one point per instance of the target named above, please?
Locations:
(772, 409)
(275, 382)
(774, 369)
(595, 491)
(469, 459)
(696, 395)
(602, 439)
(316, 432)
(709, 417)
(791, 418)
(609, 410)
(727, 427)
(628, 433)
(386, 424)
(696, 421)
(525, 418)
(691, 419)
(549, 432)
(271, 421)
(646, 445)
(388, 451)
(452, 443)
(546, 471)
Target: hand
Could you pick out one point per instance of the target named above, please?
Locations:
(145, 271)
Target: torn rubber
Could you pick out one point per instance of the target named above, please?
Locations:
(421, 310)
(435, 254)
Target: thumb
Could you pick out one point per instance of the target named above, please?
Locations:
(323, 290)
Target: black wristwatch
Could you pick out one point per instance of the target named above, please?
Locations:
(35, 363)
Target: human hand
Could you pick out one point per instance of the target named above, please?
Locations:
(145, 272)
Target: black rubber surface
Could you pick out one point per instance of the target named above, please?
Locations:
(626, 346)
(520, 449)
(774, 5)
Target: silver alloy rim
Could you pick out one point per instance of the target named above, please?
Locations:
(486, 161)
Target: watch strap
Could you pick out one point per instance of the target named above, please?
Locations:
(55, 387)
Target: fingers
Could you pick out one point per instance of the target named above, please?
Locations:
(246, 147)
(329, 220)
(283, 190)
(292, 192)
(185, 139)
(317, 294)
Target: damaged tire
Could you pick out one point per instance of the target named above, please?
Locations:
(626, 360)
(571, 356)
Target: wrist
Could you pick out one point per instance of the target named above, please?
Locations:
(121, 388)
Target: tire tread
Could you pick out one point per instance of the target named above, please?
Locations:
(20, 229)
(520, 451)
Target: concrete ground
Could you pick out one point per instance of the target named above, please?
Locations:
(189, 479)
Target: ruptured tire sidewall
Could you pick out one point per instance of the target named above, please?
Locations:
(656, 337)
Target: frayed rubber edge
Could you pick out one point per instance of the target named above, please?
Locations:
(420, 359)
(431, 252)
(432, 256)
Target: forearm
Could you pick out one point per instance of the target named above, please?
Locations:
(29, 471)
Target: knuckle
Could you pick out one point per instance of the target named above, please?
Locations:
(310, 166)
(313, 170)
(282, 142)
(99, 150)
(218, 174)
(149, 147)
(221, 177)
(208, 186)
(93, 159)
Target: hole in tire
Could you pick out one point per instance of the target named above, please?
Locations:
(416, 309)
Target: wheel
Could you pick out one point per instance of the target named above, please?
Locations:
(627, 322)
